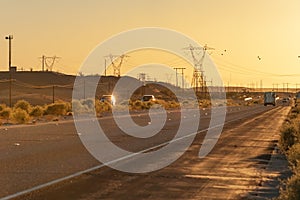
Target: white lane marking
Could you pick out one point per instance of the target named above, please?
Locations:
(38, 187)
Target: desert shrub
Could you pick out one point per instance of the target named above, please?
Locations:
(204, 103)
(292, 116)
(136, 105)
(83, 106)
(139, 105)
(290, 143)
(5, 113)
(90, 103)
(173, 104)
(163, 103)
(292, 189)
(23, 105)
(295, 110)
(59, 108)
(102, 106)
(20, 116)
(146, 105)
(294, 154)
(294, 113)
(77, 107)
(37, 111)
(2, 106)
(288, 136)
(68, 106)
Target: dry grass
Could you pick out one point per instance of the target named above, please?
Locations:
(290, 144)
(20, 116)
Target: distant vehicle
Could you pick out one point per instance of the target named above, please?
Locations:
(269, 98)
(248, 99)
(109, 98)
(297, 99)
(285, 100)
(148, 98)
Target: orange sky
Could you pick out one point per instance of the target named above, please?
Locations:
(71, 29)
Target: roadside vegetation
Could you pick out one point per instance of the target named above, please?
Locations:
(290, 145)
(23, 112)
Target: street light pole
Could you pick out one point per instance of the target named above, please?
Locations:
(9, 38)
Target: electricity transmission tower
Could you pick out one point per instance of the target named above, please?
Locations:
(48, 61)
(198, 81)
(116, 65)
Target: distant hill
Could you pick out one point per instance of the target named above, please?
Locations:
(39, 87)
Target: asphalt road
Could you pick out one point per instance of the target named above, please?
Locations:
(31, 156)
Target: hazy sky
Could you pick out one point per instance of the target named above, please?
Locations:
(71, 29)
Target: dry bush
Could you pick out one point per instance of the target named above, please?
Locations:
(290, 144)
(2, 106)
(147, 105)
(204, 103)
(6, 113)
(287, 137)
(23, 105)
(295, 110)
(163, 103)
(78, 108)
(292, 188)
(90, 103)
(294, 155)
(59, 108)
(231, 102)
(136, 105)
(173, 104)
(140, 105)
(102, 106)
(37, 111)
(20, 116)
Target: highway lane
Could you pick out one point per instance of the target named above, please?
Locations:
(33, 155)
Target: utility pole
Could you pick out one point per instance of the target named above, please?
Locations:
(84, 88)
(43, 62)
(287, 87)
(9, 38)
(182, 76)
(176, 77)
(53, 100)
(104, 66)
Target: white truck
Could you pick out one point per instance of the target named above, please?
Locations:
(269, 98)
